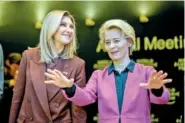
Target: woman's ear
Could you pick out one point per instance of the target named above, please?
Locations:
(130, 42)
(104, 48)
(129, 45)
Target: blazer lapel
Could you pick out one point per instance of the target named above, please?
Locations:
(129, 92)
(65, 71)
(37, 74)
(112, 84)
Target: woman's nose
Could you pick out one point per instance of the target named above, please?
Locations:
(112, 45)
(69, 30)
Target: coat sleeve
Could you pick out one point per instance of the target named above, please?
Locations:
(78, 113)
(1, 72)
(18, 91)
(164, 98)
(86, 95)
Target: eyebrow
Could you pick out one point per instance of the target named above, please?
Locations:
(113, 39)
(116, 38)
(107, 40)
(67, 23)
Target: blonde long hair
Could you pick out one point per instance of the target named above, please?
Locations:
(46, 44)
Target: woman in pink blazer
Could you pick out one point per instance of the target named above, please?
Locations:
(124, 89)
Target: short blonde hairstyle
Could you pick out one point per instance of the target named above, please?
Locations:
(126, 29)
(46, 44)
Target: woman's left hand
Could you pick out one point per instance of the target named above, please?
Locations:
(156, 80)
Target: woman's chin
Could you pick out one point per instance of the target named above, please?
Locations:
(114, 59)
(65, 42)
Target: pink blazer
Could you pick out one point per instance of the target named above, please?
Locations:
(136, 100)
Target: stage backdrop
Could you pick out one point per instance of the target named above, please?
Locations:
(159, 43)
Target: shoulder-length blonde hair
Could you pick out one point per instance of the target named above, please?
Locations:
(46, 44)
(126, 29)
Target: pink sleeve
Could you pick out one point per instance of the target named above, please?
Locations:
(86, 95)
(164, 98)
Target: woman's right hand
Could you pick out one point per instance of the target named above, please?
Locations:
(57, 78)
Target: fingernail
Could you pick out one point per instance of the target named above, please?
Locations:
(170, 80)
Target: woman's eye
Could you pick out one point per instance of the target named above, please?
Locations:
(107, 42)
(72, 27)
(117, 41)
(62, 24)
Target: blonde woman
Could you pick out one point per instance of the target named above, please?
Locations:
(124, 89)
(33, 100)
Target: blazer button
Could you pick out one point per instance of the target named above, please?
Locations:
(30, 118)
(57, 105)
(29, 99)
